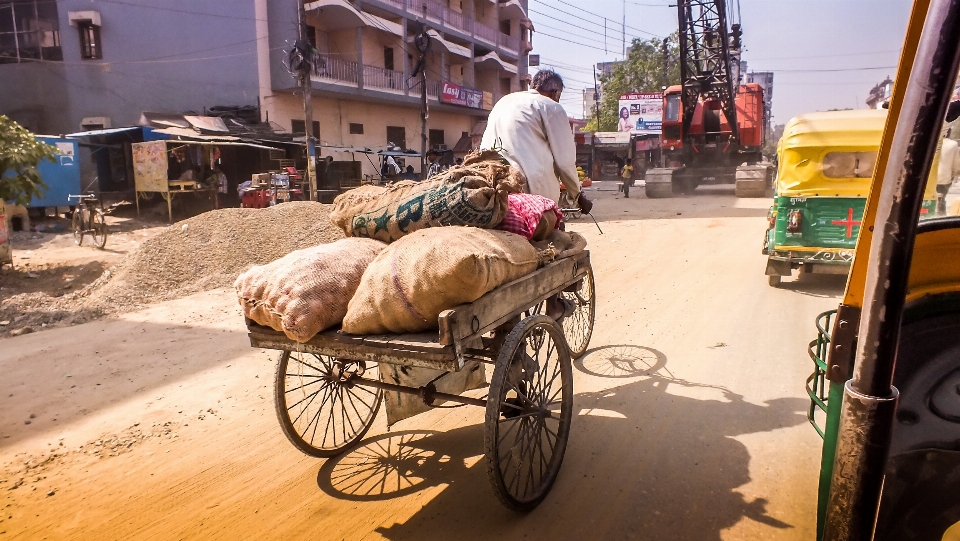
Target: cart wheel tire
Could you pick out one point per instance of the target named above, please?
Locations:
(321, 413)
(578, 326)
(774, 280)
(77, 223)
(99, 228)
(528, 417)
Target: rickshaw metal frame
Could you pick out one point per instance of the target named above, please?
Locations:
(879, 277)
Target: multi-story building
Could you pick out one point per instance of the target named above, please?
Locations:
(72, 64)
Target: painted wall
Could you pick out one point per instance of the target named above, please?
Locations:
(335, 116)
(158, 55)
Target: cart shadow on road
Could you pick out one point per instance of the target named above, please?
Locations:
(642, 462)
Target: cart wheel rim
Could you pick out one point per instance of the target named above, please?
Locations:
(319, 408)
(529, 411)
(578, 326)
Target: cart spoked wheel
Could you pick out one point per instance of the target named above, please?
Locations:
(578, 326)
(78, 225)
(529, 410)
(321, 411)
(99, 233)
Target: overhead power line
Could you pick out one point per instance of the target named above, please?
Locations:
(597, 15)
(832, 70)
(570, 41)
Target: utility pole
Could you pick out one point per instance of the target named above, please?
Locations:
(623, 28)
(666, 64)
(422, 42)
(596, 97)
(305, 86)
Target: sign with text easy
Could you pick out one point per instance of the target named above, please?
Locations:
(455, 94)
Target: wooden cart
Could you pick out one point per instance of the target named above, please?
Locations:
(328, 390)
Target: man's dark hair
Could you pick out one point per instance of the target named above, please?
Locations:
(547, 80)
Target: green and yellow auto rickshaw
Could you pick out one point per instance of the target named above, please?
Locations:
(825, 163)
(886, 388)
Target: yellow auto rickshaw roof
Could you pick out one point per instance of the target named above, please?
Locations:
(858, 128)
(808, 138)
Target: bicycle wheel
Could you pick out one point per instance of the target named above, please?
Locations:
(321, 411)
(578, 326)
(78, 223)
(98, 226)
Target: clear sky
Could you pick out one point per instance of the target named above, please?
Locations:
(819, 50)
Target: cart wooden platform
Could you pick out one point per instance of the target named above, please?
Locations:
(328, 390)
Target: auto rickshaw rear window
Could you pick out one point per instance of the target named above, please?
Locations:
(849, 164)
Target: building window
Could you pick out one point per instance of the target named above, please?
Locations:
(388, 58)
(437, 140)
(90, 48)
(297, 127)
(312, 36)
(29, 30)
(397, 136)
(356, 129)
(505, 85)
(505, 27)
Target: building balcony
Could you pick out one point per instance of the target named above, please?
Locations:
(344, 72)
(343, 76)
(454, 21)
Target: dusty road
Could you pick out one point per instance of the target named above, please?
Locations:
(690, 415)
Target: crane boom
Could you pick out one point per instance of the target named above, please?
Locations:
(708, 52)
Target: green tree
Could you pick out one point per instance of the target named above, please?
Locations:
(773, 139)
(642, 71)
(20, 152)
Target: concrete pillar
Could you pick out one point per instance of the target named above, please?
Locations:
(263, 56)
(406, 59)
(469, 70)
(360, 56)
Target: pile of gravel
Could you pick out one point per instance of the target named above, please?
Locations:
(201, 253)
(210, 250)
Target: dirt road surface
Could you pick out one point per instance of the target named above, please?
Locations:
(690, 425)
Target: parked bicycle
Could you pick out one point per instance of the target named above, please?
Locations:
(89, 218)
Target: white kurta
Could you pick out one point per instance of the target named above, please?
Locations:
(949, 163)
(535, 137)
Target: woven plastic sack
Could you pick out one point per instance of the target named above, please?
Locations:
(414, 279)
(531, 215)
(472, 194)
(307, 290)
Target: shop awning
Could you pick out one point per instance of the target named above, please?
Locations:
(512, 10)
(340, 14)
(207, 123)
(448, 46)
(611, 139)
(492, 60)
(110, 131)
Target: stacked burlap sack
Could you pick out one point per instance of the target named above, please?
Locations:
(445, 249)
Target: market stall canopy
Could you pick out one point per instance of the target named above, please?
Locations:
(207, 123)
(163, 120)
(192, 134)
(449, 46)
(492, 60)
(341, 15)
(111, 131)
(610, 139)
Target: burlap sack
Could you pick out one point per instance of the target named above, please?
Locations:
(565, 243)
(307, 290)
(414, 279)
(474, 194)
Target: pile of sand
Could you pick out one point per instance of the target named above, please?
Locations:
(201, 253)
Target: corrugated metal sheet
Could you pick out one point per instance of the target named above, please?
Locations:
(207, 123)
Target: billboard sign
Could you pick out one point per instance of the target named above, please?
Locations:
(457, 95)
(640, 113)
